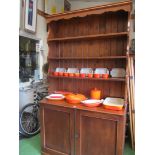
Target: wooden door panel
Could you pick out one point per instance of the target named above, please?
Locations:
(58, 131)
(97, 135)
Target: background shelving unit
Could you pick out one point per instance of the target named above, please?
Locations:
(83, 42)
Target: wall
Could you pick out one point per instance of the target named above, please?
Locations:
(41, 28)
(58, 4)
(80, 5)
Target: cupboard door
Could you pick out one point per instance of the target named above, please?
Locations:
(97, 134)
(57, 130)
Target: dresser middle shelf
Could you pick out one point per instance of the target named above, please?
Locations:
(86, 78)
(87, 58)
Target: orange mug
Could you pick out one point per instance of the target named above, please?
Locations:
(95, 94)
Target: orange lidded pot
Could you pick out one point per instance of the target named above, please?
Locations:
(95, 94)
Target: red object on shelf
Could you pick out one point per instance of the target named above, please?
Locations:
(71, 74)
(65, 74)
(96, 75)
(105, 76)
(90, 75)
(77, 74)
(55, 73)
(60, 73)
(82, 75)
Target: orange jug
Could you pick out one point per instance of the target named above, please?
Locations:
(95, 94)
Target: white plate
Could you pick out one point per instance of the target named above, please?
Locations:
(91, 101)
(101, 71)
(60, 70)
(55, 97)
(86, 70)
(72, 70)
(113, 101)
(118, 72)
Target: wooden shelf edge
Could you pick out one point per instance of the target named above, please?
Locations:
(87, 58)
(86, 78)
(99, 36)
(80, 106)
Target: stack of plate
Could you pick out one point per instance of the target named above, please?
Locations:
(117, 72)
(72, 70)
(86, 70)
(60, 70)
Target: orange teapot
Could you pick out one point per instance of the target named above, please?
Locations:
(95, 94)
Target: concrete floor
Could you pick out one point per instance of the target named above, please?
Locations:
(31, 146)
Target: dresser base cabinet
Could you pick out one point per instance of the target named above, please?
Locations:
(86, 38)
(73, 131)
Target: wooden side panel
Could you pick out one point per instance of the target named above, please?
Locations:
(57, 130)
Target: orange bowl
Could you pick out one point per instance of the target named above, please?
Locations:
(55, 73)
(65, 74)
(60, 73)
(71, 74)
(113, 107)
(97, 75)
(90, 75)
(82, 75)
(105, 76)
(73, 101)
(75, 98)
(77, 74)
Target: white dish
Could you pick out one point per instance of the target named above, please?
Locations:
(86, 70)
(92, 102)
(55, 97)
(118, 72)
(101, 71)
(60, 70)
(113, 101)
(72, 70)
